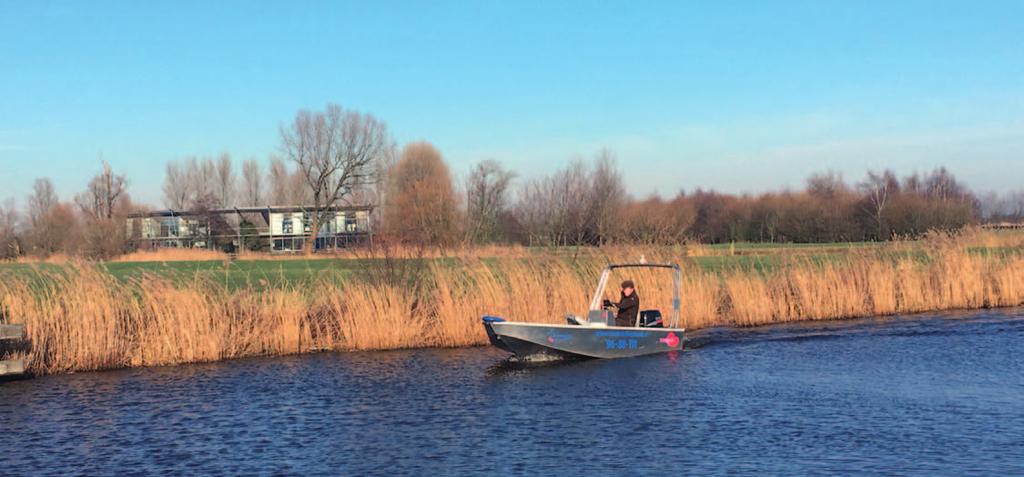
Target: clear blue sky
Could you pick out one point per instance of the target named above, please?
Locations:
(736, 96)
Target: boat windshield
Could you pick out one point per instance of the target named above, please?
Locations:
(597, 302)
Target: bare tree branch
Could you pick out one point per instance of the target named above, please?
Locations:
(336, 151)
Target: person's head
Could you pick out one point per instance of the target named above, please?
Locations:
(628, 288)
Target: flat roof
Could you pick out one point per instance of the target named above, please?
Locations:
(251, 210)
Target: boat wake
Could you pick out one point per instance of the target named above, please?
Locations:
(935, 323)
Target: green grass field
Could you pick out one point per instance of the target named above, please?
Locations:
(236, 274)
(241, 273)
(292, 272)
(297, 272)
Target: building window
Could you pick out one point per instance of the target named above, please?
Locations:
(363, 221)
(286, 226)
(169, 227)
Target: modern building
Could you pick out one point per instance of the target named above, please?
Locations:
(271, 228)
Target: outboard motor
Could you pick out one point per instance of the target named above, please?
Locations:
(651, 319)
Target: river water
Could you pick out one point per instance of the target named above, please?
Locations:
(924, 395)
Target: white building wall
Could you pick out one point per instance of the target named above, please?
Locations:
(362, 221)
(277, 223)
(334, 226)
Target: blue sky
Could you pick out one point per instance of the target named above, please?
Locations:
(735, 96)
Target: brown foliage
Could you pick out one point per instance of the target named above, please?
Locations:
(568, 208)
(56, 230)
(828, 210)
(421, 204)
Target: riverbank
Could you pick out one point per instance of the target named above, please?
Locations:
(81, 316)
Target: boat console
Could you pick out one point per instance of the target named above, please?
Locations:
(594, 318)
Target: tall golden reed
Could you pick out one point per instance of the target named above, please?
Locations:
(80, 318)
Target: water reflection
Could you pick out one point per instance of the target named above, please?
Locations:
(512, 366)
(879, 396)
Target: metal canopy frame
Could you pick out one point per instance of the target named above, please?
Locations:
(677, 275)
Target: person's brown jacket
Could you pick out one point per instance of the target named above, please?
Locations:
(629, 307)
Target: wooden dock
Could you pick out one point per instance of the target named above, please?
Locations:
(11, 337)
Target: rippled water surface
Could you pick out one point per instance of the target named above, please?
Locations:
(912, 396)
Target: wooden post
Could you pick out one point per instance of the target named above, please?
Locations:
(12, 367)
(10, 334)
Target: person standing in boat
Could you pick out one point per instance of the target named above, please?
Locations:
(628, 305)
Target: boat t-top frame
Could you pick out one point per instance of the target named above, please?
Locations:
(595, 303)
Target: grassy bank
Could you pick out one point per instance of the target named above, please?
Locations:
(270, 271)
(86, 316)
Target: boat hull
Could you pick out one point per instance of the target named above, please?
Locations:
(531, 340)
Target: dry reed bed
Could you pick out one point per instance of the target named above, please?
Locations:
(84, 319)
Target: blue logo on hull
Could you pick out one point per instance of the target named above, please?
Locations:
(556, 337)
(623, 334)
(620, 344)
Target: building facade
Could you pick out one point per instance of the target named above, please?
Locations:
(273, 228)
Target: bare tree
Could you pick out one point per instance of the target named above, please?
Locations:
(830, 204)
(279, 180)
(1003, 207)
(104, 204)
(607, 196)
(568, 186)
(42, 200)
(202, 175)
(101, 198)
(376, 193)
(298, 189)
(286, 187)
(581, 204)
(532, 213)
(225, 185)
(336, 151)
(941, 185)
(486, 199)
(10, 244)
(877, 189)
(52, 225)
(192, 182)
(825, 185)
(653, 221)
(1015, 205)
(177, 190)
(252, 182)
(60, 231)
(553, 210)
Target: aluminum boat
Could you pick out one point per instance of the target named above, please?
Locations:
(596, 336)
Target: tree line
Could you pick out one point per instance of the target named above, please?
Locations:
(91, 224)
(586, 204)
(341, 157)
